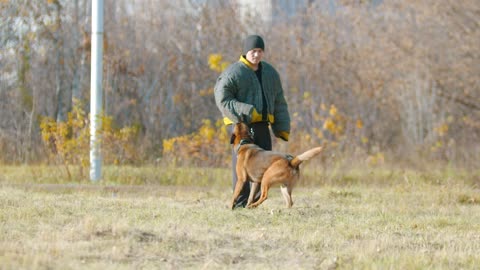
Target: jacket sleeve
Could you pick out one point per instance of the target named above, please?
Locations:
(225, 97)
(281, 114)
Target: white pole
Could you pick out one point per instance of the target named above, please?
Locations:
(96, 90)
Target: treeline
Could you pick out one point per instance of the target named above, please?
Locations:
(393, 81)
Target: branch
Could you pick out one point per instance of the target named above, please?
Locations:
(463, 102)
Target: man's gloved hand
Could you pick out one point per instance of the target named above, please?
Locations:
(256, 117)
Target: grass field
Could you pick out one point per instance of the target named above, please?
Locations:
(176, 218)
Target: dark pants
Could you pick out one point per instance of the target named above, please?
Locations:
(261, 137)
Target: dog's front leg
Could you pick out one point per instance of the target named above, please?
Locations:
(253, 191)
(241, 178)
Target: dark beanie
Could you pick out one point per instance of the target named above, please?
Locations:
(253, 42)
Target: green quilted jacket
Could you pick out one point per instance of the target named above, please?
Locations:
(238, 92)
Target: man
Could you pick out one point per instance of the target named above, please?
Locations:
(250, 90)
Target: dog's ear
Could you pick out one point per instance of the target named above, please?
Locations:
(232, 139)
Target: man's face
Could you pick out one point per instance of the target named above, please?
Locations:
(255, 56)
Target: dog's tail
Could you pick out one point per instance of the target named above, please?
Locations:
(295, 162)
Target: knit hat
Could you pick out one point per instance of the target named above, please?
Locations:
(253, 42)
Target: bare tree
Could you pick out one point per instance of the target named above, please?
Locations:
(394, 76)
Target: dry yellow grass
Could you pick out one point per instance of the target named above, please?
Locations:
(406, 225)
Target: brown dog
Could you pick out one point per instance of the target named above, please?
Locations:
(265, 167)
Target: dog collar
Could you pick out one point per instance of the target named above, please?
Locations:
(245, 141)
(242, 142)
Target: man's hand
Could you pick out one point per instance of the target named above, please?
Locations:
(256, 117)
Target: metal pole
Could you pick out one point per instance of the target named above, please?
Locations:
(96, 90)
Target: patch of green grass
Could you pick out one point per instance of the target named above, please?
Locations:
(118, 175)
(311, 175)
